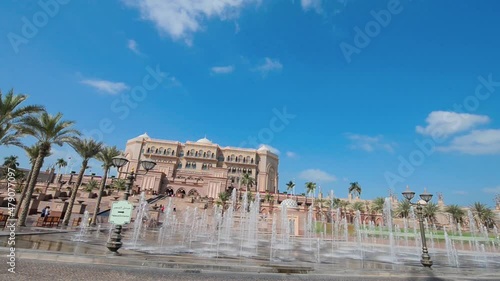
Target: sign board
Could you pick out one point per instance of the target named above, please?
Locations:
(121, 212)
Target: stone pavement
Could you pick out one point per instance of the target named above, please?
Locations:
(53, 271)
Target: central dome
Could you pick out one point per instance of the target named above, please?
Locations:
(289, 203)
(204, 140)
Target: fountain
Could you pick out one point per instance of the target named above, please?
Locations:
(80, 237)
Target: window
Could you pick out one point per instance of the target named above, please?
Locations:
(179, 166)
(233, 157)
(204, 155)
(173, 152)
(228, 158)
(251, 161)
(182, 153)
(213, 155)
(249, 171)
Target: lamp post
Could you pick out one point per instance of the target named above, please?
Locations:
(114, 243)
(425, 198)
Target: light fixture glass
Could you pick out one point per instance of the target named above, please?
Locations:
(408, 194)
(148, 165)
(119, 161)
(426, 196)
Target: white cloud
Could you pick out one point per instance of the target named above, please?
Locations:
(180, 19)
(270, 148)
(268, 66)
(222, 69)
(132, 45)
(446, 123)
(316, 175)
(308, 5)
(476, 142)
(345, 179)
(494, 190)
(369, 143)
(291, 154)
(106, 86)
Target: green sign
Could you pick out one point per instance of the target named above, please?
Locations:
(121, 212)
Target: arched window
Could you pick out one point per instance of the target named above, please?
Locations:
(192, 152)
(208, 154)
(204, 155)
(168, 151)
(248, 159)
(200, 153)
(240, 158)
(179, 166)
(233, 157)
(173, 152)
(228, 158)
(188, 153)
(196, 154)
(213, 155)
(249, 171)
(149, 149)
(251, 161)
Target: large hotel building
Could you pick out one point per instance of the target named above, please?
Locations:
(200, 168)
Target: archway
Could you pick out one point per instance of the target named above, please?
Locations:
(193, 192)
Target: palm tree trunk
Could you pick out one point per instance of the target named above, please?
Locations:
(23, 192)
(99, 196)
(31, 187)
(74, 191)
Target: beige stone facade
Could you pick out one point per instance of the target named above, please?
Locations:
(200, 168)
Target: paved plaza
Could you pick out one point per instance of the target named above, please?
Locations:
(46, 270)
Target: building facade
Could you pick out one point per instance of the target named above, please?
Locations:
(200, 168)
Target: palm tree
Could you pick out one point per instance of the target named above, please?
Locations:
(106, 157)
(60, 163)
(32, 153)
(289, 186)
(268, 197)
(430, 211)
(11, 162)
(456, 212)
(49, 130)
(403, 209)
(354, 189)
(91, 185)
(11, 111)
(87, 149)
(247, 180)
(120, 184)
(335, 203)
(343, 206)
(310, 187)
(358, 206)
(223, 198)
(378, 204)
(484, 215)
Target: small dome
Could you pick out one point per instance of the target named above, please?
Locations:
(289, 203)
(142, 137)
(204, 140)
(264, 148)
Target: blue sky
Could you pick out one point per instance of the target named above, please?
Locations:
(356, 104)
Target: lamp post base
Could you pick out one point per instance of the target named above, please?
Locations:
(426, 260)
(115, 241)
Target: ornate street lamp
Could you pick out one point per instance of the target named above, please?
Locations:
(425, 198)
(114, 242)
